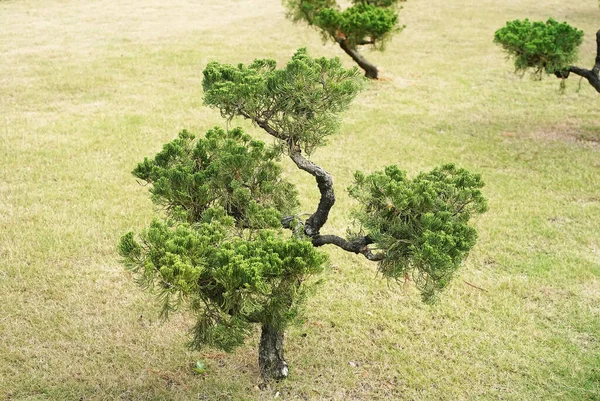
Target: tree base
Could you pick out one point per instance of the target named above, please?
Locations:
(270, 354)
(372, 73)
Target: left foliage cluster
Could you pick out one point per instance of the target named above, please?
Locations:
(220, 248)
(226, 169)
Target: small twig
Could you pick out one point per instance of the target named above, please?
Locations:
(474, 286)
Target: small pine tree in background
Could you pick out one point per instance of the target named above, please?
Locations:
(547, 47)
(365, 22)
(231, 245)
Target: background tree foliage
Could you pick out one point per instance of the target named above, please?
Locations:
(546, 47)
(230, 245)
(542, 46)
(365, 22)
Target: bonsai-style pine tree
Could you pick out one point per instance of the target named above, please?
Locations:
(366, 22)
(231, 244)
(547, 47)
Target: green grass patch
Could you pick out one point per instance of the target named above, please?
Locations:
(90, 90)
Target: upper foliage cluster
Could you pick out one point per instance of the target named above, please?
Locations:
(226, 169)
(365, 22)
(421, 224)
(300, 103)
(228, 281)
(543, 46)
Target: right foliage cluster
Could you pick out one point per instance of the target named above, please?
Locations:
(548, 47)
(420, 224)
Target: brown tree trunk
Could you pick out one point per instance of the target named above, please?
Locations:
(370, 69)
(270, 354)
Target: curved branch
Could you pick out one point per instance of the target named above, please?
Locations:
(366, 42)
(357, 245)
(262, 124)
(315, 222)
(325, 184)
(592, 75)
(324, 180)
(596, 68)
(370, 69)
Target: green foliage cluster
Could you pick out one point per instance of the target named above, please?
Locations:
(226, 169)
(421, 224)
(228, 281)
(370, 22)
(221, 248)
(300, 102)
(307, 10)
(543, 46)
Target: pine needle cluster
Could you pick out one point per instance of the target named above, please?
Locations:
(226, 169)
(420, 225)
(549, 47)
(298, 104)
(366, 22)
(220, 248)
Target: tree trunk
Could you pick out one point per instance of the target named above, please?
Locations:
(370, 69)
(270, 354)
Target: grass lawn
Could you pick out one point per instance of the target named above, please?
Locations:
(88, 89)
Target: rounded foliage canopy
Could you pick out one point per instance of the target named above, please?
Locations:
(226, 169)
(542, 46)
(371, 22)
(298, 104)
(421, 225)
(228, 281)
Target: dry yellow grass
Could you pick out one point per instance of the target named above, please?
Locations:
(87, 89)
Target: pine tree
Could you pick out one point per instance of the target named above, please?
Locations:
(547, 47)
(231, 245)
(366, 22)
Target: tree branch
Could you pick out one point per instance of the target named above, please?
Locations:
(370, 69)
(592, 75)
(366, 42)
(596, 68)
(357, 245)
(325, 184)
(263, 124)
(315, 222)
